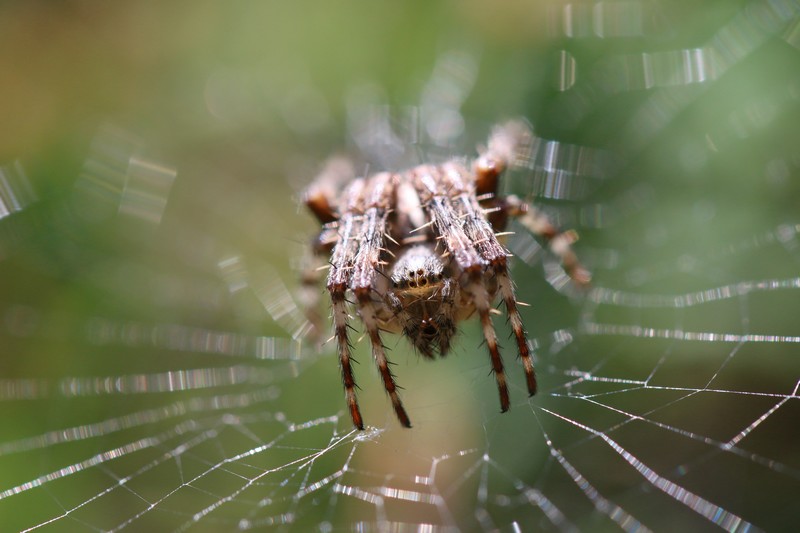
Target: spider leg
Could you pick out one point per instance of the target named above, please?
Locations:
(320, 196)
(559, 242)
(339, 277)
(308, 294)
(509, 143)
(480, 231)
(446, 220)
(444, 320)
(313, 267)
(373, 231)
(320, 199)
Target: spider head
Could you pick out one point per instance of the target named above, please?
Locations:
(418, 282)
(418, 273)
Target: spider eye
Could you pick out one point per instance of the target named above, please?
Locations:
(423, 282)
(420, 272)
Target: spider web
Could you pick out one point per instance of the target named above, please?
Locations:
(156, 374)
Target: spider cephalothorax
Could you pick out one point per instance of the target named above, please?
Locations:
(419, 251)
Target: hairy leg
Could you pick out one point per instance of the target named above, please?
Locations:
(558, 242)
(445, 319)
(367, 263)
(320, 196)
(508, 144)
(478, 228)
(339, 276)
(429, 182)
(321, 199)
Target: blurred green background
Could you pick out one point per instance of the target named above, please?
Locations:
(152, 156)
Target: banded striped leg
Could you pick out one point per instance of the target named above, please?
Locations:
(508, 143)
(559, 242)
(367, 262)
(320, 199)
(312, 271)
(428, 182)
(339, 277)
(308, 296)
(480, 297)
(444, 320)
(482, 234)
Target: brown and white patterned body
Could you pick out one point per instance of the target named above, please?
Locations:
(419, 251)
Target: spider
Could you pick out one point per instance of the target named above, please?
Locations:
(419, 251)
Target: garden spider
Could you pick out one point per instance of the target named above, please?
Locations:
(418, 251)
